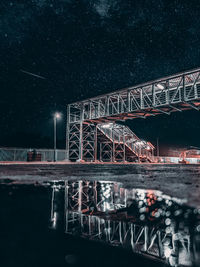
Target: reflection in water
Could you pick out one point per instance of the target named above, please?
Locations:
(146, 221)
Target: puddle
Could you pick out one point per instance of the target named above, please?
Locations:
(143, 222)
(147, 222)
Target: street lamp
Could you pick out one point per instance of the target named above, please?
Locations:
(55, 117)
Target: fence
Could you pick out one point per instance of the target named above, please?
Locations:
(20, 154)
(191, 160)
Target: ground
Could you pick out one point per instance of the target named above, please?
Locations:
(182, 181)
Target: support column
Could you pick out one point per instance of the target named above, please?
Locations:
(95, 144)
(67, 131)
(100, 152)
(124, 147)
(81, 141)
(80, 186)
(113, 144)
(128, 101)
(81, 133)
(66, 207)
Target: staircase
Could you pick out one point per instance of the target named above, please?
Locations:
(126, 145)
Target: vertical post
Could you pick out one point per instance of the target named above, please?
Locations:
(14, 154)
(66, 206)
(81, 133)
(139, 153)
(67, 131)
(81, 141)
(95, 143)
(90, 110)
(98, 109)
(184, 92)
(128, 101)
(124, 147)
(146, 238)
(195, 91)
(107, 105)
(153, 95)
(167, 92)
(100, 151)
(54, 137)
(141, 98)
(118, 104)
(80, 186)
(113, 144)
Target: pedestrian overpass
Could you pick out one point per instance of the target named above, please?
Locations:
(95, 128)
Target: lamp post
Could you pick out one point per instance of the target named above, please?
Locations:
(55, 117)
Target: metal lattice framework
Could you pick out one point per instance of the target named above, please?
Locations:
(88, 210)
(174, 93)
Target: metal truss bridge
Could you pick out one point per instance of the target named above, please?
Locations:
(94, 131)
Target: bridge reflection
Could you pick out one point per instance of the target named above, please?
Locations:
(145, 221)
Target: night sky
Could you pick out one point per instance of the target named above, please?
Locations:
(83, 48)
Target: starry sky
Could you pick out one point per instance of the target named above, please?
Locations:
(82, 48)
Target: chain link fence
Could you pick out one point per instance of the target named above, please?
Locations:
(21, 154)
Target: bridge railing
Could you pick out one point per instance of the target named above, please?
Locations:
(167, 92)
(20, 154)
(122, 134)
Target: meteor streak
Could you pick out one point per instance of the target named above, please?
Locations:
(32, 74)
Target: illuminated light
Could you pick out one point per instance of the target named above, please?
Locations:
(198, 228)
(140, 203)
(157, 214)
(107, 206)
(142, 217)
(168, 213)
(167, 221)
(167, 252)
(160, 86)
(170, 203)
(54, 220)
(107, 125)
(141, 210)
(142, 196)
(140, 143)
(57, 115)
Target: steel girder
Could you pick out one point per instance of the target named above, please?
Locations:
(110, 142)
(122, 144)
(163, 96)
(89, 142)
(174, 93)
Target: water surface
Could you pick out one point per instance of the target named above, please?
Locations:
(95, 223)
